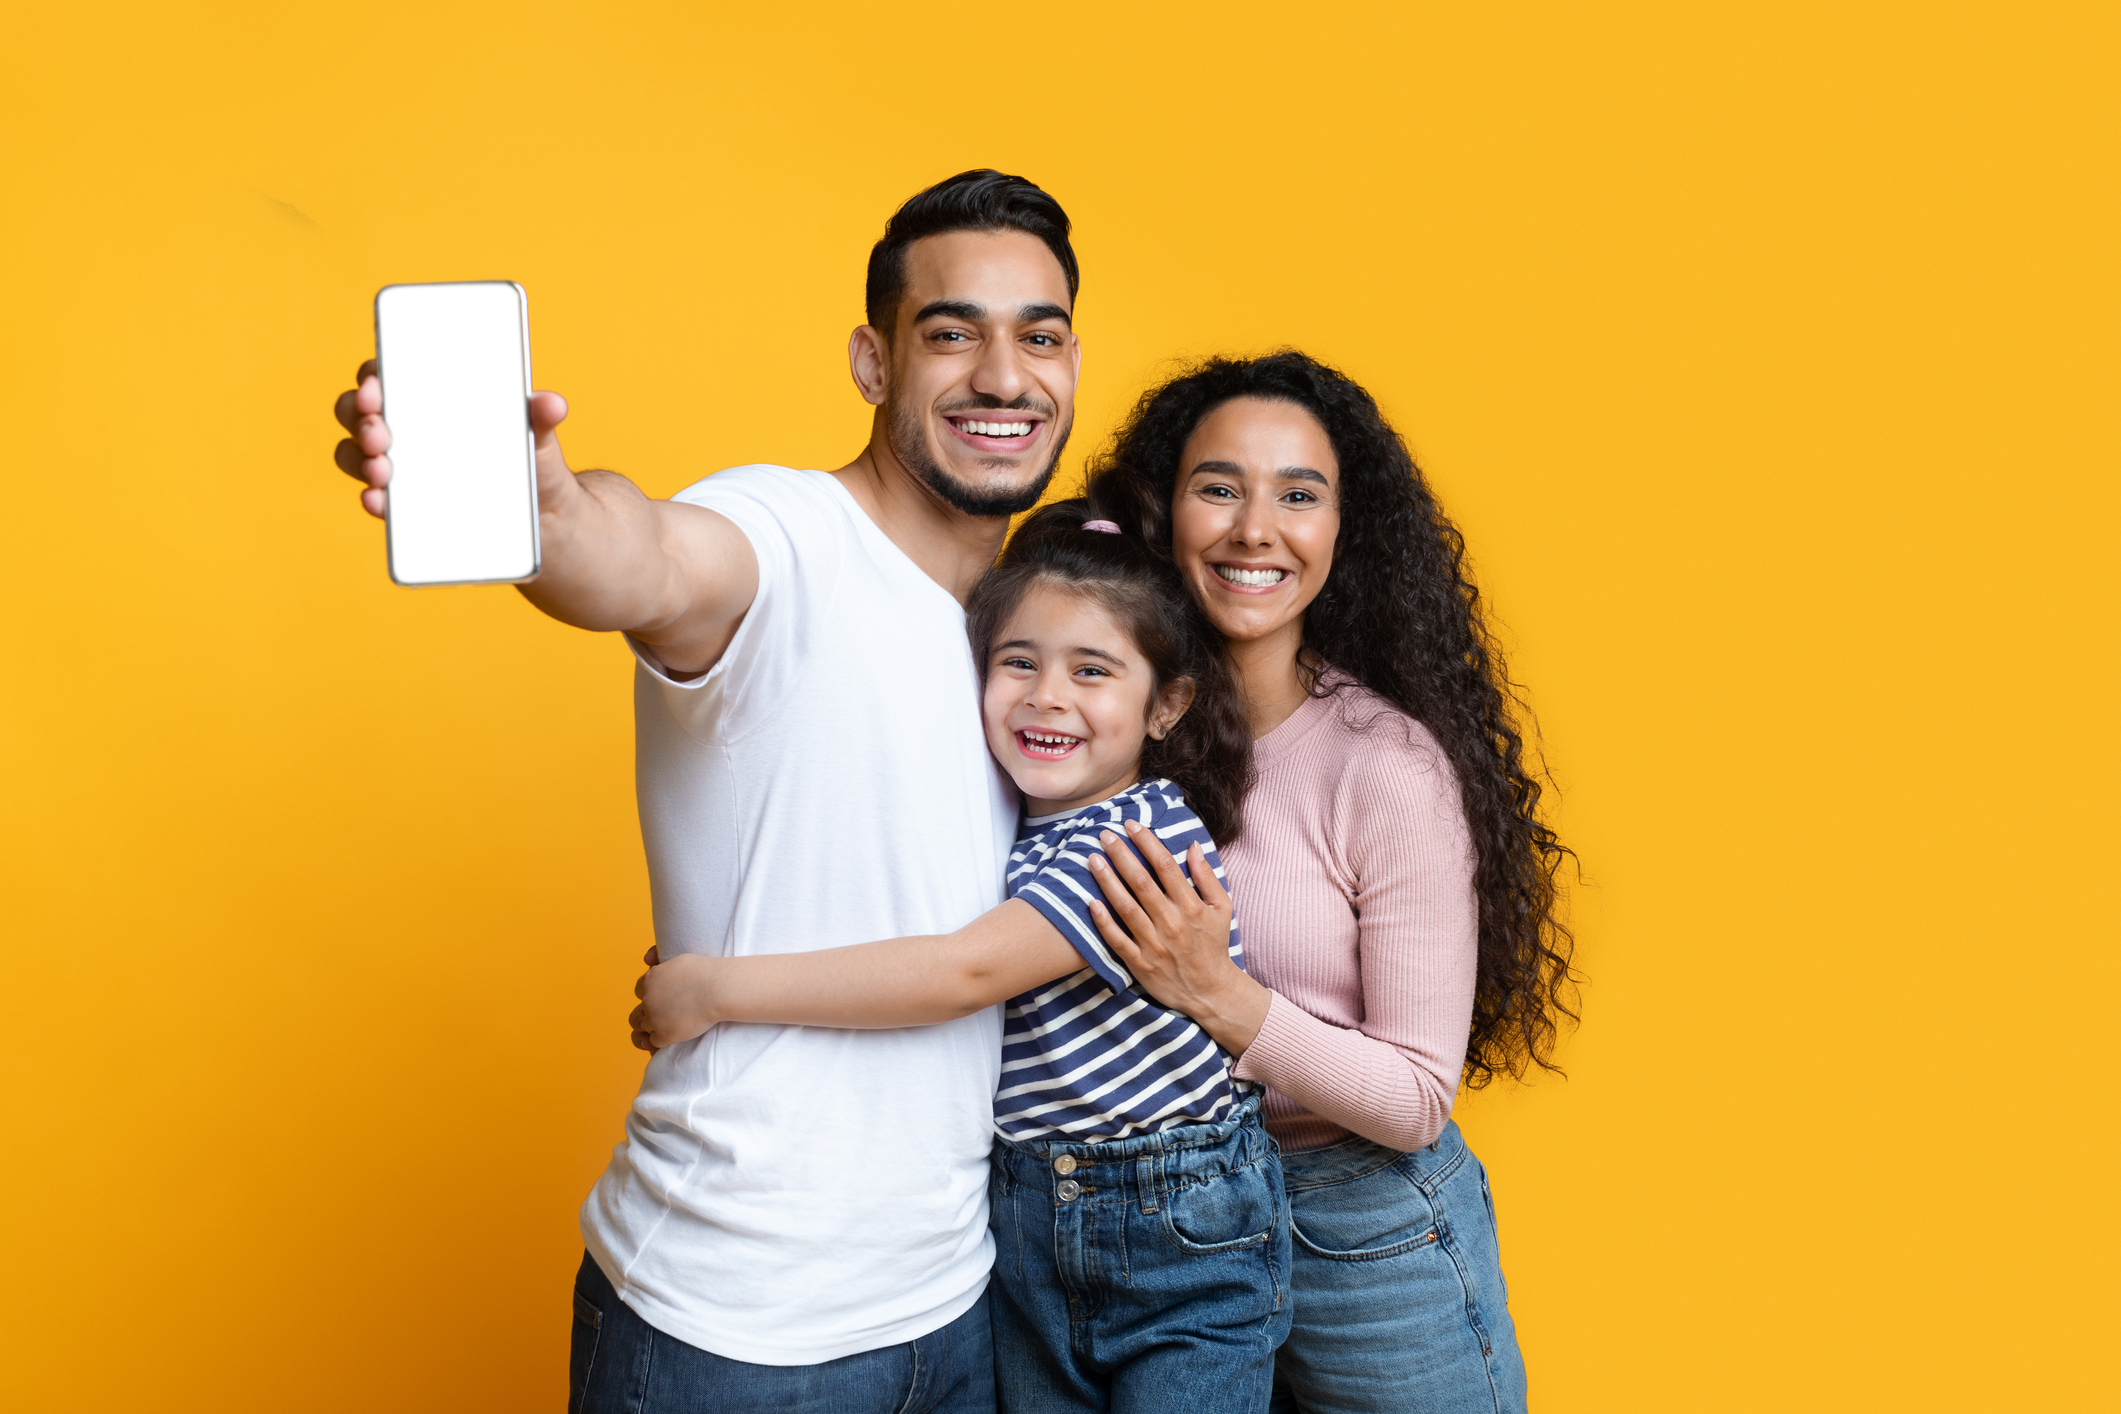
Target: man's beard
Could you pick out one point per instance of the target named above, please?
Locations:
(910, 445)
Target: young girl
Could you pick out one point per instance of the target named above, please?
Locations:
(1141, 1233)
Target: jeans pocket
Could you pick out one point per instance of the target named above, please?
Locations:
(1382, 1214)
(582, 1350)
(1227, 1213)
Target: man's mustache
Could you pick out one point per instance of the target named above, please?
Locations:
(987, 402)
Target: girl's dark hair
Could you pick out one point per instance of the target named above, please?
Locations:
(1208, 752)
(1400, 615)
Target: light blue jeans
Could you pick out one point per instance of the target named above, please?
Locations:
(1145, 1275)
(1400, 1302)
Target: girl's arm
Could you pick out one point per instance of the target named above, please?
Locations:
(903, 982)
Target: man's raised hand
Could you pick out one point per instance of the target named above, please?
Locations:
(364, 453)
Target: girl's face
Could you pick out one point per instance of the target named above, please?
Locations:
(1069, 701)
(1254, 515)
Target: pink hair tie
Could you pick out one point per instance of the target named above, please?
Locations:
(1104, 525)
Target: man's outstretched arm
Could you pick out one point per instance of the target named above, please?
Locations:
(678, 578)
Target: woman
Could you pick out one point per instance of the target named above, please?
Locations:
(1399, 888)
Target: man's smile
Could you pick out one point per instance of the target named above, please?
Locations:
(996, 432)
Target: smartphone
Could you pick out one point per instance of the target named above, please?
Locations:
(462, 505)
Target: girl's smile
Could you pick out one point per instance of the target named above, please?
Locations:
(1070, 699)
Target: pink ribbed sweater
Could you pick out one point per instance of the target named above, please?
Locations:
(1353, 883)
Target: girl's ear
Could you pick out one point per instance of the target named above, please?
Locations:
(1170, 705)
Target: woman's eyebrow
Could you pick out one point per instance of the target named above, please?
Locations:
(1088, 652)
(1302, 473)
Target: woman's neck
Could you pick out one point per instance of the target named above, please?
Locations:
(1273, 675)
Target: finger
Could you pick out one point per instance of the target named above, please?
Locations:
(345, 411)
(638, 1017)
(373, 502)
(640, 986)
(368, 389)
(547, 412)
(1211, 888)
(1116, 937)
(642, 1041)
(371, 434)
(1140, 881)
(654, 956)
(1118, 899)
(1176, 886)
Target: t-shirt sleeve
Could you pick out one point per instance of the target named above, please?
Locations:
(1063, 889)
(796, 536)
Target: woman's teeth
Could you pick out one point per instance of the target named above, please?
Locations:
(997, 429)
(1255, 578)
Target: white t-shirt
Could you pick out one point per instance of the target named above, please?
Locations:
(787, 1195)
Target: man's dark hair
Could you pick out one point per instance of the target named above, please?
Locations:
(982, 200)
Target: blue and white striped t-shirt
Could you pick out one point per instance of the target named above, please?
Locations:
(1092, 1056)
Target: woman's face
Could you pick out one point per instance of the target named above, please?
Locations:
(1254, 515)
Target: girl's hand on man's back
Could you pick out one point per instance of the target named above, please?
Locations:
(677, 1000)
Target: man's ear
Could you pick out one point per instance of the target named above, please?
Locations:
(1170, 705)
(869, 360)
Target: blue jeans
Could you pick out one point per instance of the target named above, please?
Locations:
(1147, 1274)
(1400, 1302)
(619, 1364)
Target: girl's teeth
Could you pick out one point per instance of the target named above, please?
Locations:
(997, 429)
(1255, 578)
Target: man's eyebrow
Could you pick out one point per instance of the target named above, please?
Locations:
(951, 309)
(1039, 313)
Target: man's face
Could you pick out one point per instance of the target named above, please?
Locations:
(982, 365)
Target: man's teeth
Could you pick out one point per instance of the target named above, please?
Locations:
(998, 429)
(1251, 577)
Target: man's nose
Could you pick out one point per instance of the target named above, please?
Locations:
(1000, 372)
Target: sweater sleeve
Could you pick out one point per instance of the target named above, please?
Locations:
(1401, 834)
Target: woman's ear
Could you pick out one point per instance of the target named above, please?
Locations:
(1170, 705)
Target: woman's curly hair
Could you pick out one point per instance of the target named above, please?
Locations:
(1400, 615)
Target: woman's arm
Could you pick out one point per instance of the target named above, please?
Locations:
(903, 982)
(1391, 1078)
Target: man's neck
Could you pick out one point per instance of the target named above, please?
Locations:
(951, 548)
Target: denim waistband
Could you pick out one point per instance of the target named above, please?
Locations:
(1140, 1167)
(1355, 1156)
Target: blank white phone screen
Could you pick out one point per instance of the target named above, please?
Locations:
(454, 359)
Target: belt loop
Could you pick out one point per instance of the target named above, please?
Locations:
(1145, 1179)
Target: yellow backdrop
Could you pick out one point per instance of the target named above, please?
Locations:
(1765, 352)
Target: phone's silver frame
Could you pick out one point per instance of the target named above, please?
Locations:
(530, 436)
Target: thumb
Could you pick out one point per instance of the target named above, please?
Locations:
(547, 412)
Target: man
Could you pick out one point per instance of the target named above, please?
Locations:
(797, 1216)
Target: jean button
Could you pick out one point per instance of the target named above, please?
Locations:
(1068, 1190)
(1064, 1165)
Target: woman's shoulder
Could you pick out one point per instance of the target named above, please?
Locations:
(1371, 729)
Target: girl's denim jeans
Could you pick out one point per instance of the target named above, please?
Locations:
(1149, 1273)
(1400, 1302)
